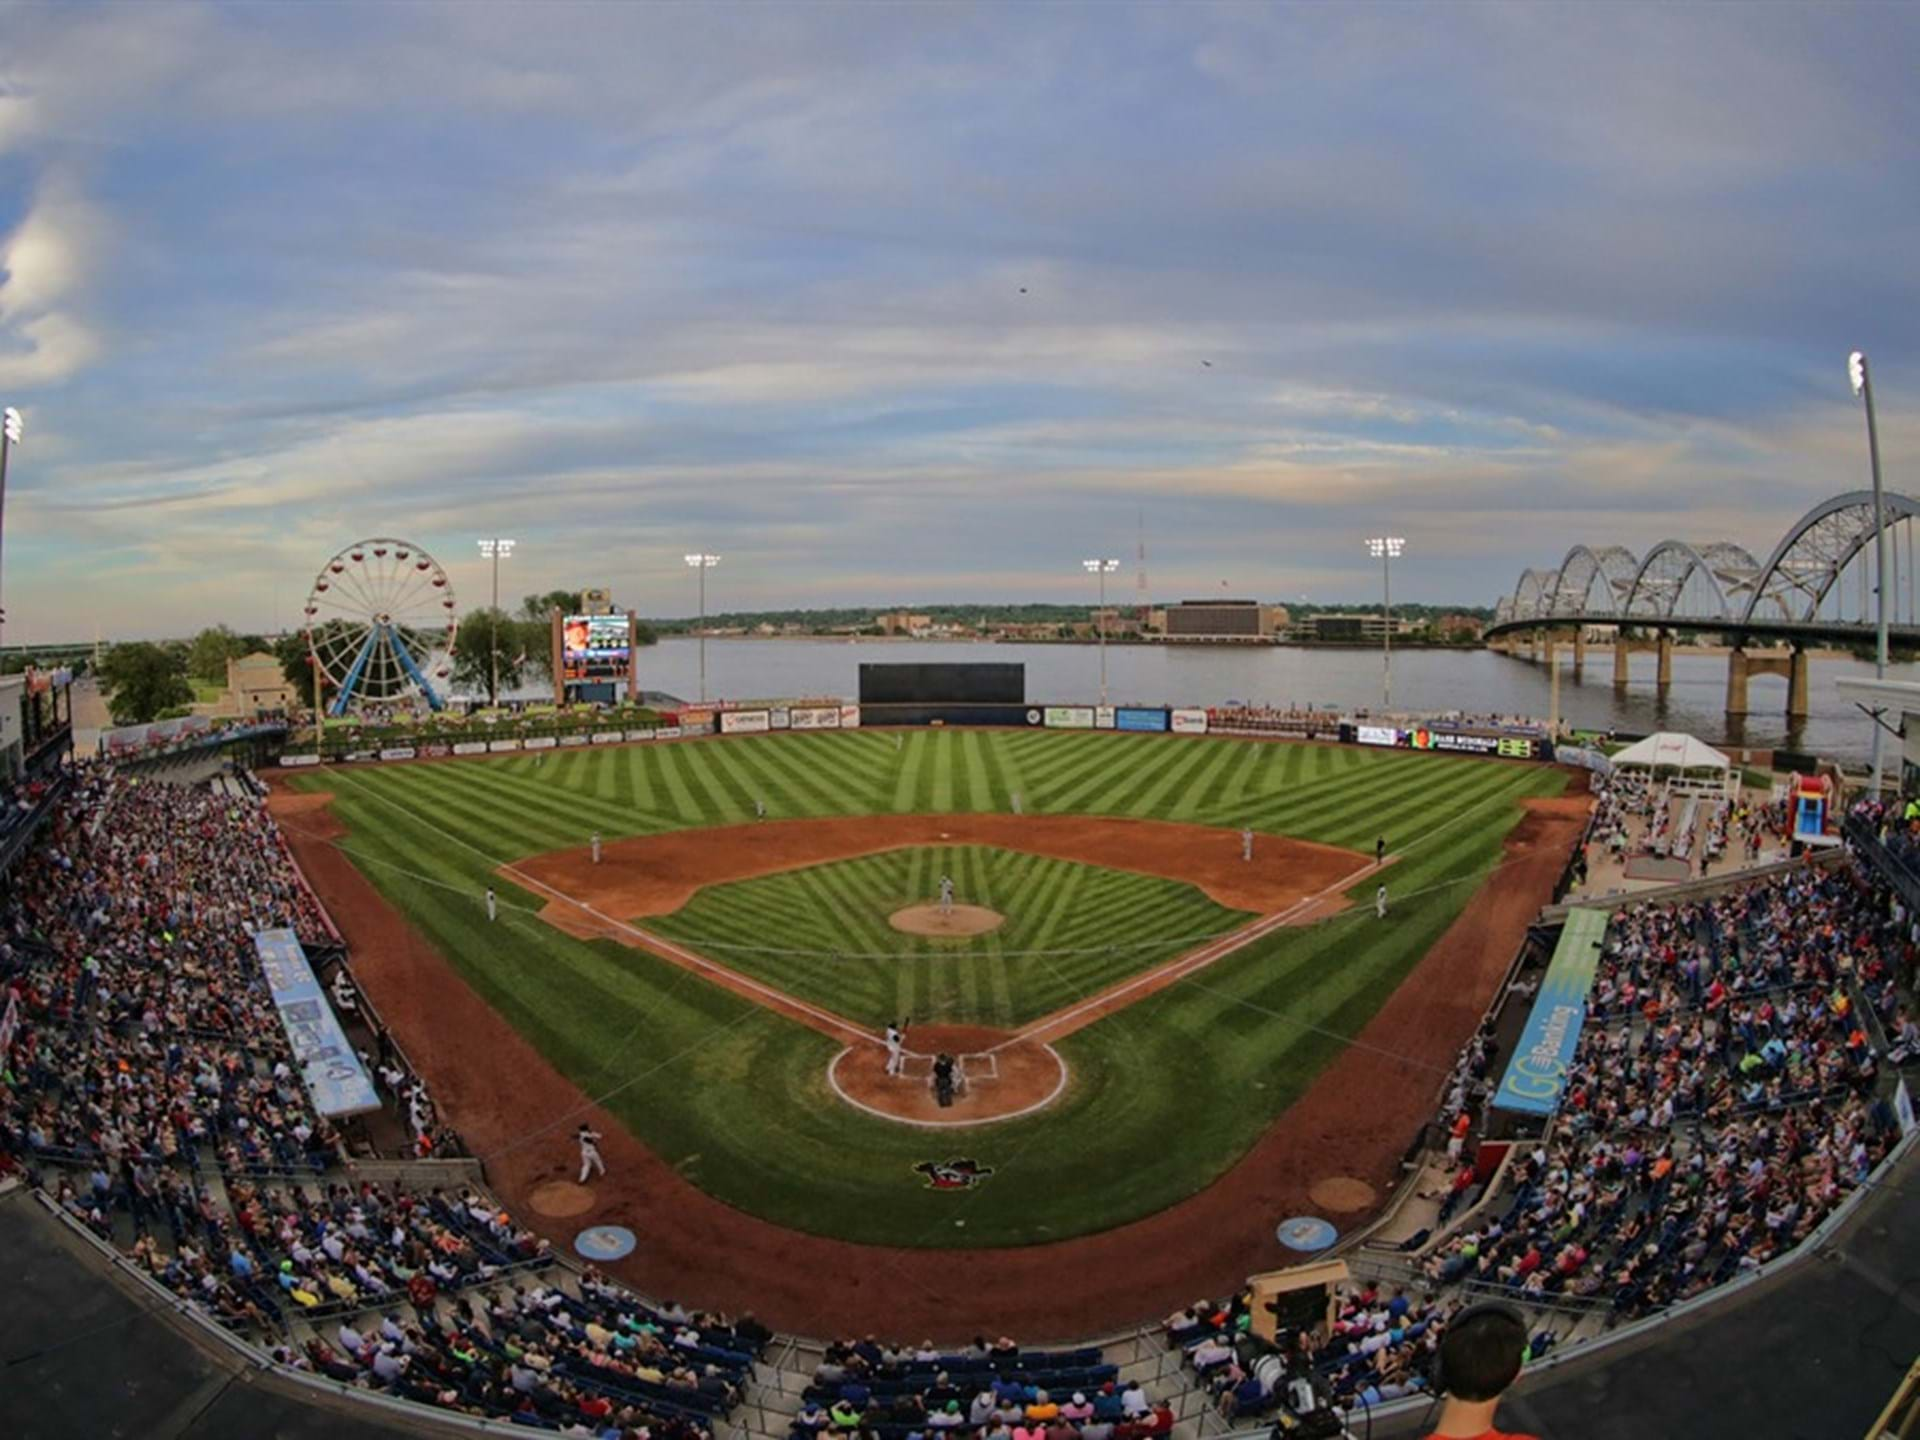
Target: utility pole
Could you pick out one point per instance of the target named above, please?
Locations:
(496, 550)
(1386, 549)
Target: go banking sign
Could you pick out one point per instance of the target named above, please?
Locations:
(1537, 1074)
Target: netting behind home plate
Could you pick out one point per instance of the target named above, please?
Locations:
(974, 1066)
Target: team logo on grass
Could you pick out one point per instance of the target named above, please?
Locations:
(953, 1174)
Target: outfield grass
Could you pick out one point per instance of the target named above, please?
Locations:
(822, 933)
(1164, 1095)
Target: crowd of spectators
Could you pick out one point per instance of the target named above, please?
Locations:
(996, 1390)
(1274, 720)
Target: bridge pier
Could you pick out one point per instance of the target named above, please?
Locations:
(1579, 650)
(1742, 666)
(1663, 677)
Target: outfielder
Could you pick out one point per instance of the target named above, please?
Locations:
(946, 895)
(759, 809)
(1016, 802)
(1246, 844)
(596, 847)
(1380, 852)
(493, 907)
(896, 1047)
(1380, 903)
(590, 1161)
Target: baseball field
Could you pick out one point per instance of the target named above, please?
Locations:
(715, 980)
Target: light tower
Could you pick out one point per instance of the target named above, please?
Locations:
(703, 563)
(495, 549)
(1862, 379)
(1386, 549)
(1101, 568)
(10, 429)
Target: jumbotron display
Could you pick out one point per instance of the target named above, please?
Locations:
(994, 683)
(595, 647)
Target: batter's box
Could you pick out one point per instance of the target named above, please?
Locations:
(973, 1067)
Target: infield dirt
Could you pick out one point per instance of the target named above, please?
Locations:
(517, 1112)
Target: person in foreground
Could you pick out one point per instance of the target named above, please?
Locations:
(1479, 1358)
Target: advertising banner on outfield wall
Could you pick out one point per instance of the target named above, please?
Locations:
(573, 740)
(816, 717)
(745, 722)
(608, 737)
(290, 760)
(470, 747)
(1103, 717)
(538, 742)
(1134, 717)
(397, 752)
(334, 1076)
(781, 716)
(1188, 722)
(436, 750)
(1517, 747)
(646, 734)
(849, 717)
(1376, 734)
(668, 732)
(1537, 1074)
(1448, 740)
(1068, 717)
(499, 745)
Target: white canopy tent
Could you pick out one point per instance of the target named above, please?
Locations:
(1670, 751)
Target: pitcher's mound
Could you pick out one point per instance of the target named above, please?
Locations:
(560, 1197)
(1342, 1194)
(962, 920)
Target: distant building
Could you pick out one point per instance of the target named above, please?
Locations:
(256, 683)
(900, 622)
(1222, 621)
(1459, 625)
(1347, 629)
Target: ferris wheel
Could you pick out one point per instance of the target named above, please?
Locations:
(380, 623)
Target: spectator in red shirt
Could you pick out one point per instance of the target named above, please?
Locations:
(1479, 1358)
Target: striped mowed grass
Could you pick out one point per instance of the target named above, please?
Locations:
(1164, 1094)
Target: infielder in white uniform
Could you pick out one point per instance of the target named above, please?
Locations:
(1016, 802)
(493, 907)
(759, 809)
(1380, 903)
(946, 895)
(1246, 844)
(596, 847)
(590, 1161)
(896, 1047)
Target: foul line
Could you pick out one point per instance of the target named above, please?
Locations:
(1177, 970)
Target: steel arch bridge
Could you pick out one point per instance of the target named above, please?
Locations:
(1795, 595)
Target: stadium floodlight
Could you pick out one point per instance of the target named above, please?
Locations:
(1101, 568)
(10, 430)
(1386, 549)
(703, 563)
(496, 549)
(1862, 379)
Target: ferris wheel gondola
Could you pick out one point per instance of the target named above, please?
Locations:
(380, 624)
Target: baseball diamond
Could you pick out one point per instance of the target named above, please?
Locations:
(707, 1009)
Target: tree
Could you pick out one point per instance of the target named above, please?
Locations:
(297, 668)
(485, 635)
(142, 680)
(209, 652)
(567, 602)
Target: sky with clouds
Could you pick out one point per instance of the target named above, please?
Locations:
(908, 303)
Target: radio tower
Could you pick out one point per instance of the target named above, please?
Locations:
(1140, 576)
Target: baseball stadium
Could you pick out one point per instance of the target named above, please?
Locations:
(784, 1067)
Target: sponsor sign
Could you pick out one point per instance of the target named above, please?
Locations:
(1448, 740)
(849, 717)
(363, 755)
(608, 737)
(1069, 717)
(470, 747)
(1033, 717)
(816, 717)
(1103, 717)
(1537, 1073)
(1516, 748)
(397, 752)
(745, 722)
(1188, 721)
(437, 749)
(575, 739)
(605, 1242)
(782, 717)
(334, 1076)
(668, 732)
(1132, 717)
(960, 1174)
(292, 760)
(1306, 1233)
(498, 745)
(697, 724)
(1376, 734)
(641, 734)
(538, 742)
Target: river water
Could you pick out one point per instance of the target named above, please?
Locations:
(1428, 680)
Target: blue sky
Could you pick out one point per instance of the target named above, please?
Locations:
(895, 304)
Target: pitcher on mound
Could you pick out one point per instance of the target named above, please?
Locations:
(946, 895)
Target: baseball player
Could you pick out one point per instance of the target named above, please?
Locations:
(898, 741)
(590, 1161)
(493, 908)
(1380, 852)
(1380, 903)
(946, 895)
(1016, 802)
(896, 1047)
(596, 847)
(759, 809)
(1246, 844)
